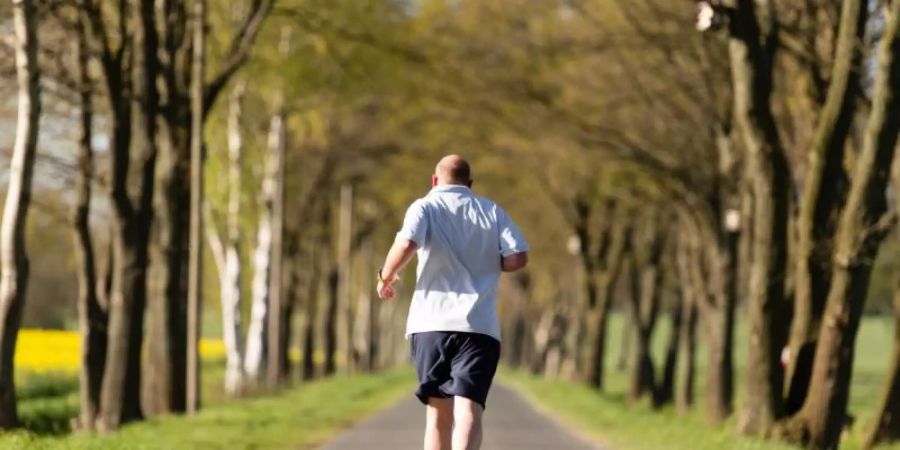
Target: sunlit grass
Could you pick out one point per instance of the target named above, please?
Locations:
(608, 417)
(297, 418)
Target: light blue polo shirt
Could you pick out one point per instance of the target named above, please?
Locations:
(460, 238)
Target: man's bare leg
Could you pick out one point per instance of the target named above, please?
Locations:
(438, 423)
(467, 424)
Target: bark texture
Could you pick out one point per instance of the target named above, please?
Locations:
(227, 253)
(751, 49)
(823, 193)
(195, 256)
(820, 421)
(92, 315)
(13, 258)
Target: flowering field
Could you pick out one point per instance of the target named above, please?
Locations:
(54, 350)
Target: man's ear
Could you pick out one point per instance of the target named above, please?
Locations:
(470, 183)
(434, 180)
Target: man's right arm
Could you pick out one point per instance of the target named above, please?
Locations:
(513, 247)
(514, 262)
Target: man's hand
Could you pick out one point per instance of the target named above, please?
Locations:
(386, 290)
(399, 255)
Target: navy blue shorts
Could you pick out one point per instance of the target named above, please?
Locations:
(452, 364)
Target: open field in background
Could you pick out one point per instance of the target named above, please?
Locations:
(296, 418)
(608, 417)
(47, 377)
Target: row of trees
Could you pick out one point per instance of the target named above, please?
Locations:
(752, 159)
(127, 66)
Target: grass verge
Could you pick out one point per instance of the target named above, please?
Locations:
(609, 418)
(300, 417)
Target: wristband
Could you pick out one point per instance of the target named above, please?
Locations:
(381, 278)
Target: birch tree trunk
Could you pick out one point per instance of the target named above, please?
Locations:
(13, 258)
(91, 313)
(229, 256)
(257, 333)
(859, 234)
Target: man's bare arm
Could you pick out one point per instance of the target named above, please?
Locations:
(514, 262)
(400, 254)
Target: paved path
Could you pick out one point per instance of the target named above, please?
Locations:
(511, 423)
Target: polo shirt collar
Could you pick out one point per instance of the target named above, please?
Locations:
(451, 188)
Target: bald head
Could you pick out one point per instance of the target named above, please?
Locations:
(452, 169)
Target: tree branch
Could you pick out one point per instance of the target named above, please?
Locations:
(241, 45)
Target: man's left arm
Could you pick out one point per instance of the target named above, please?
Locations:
(513, 246)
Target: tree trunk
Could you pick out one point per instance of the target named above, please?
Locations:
(91, 313)
(120, 394)
(265, 320)
(603, 291)
(287, 330)
(166, 367)
(365, 346)
(227, 255)
(751, 49)
(331, 318)
(684, 392)
(646, 278)
(257, 331)
(195, 254)
(720, 323)
(345, 319)
(273, 187)
(665, 392)
(120, 397)
(859, 234)
(823, 192)
(374, 306)
(13, 258)
(167, 345)
(308, 369)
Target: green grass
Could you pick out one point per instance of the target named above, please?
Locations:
(299, 417)
(607, 416)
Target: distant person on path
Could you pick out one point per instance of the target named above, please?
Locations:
(463, 241)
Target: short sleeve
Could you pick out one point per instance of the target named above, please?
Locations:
(511, 239)
(415, 224)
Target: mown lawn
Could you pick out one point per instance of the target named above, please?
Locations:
(300, 417)
(607, 417)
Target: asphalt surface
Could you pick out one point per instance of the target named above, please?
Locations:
(510, 423)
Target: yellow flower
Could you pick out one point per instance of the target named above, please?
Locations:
(54, 350)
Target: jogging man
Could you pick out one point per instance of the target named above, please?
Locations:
(463, 242)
